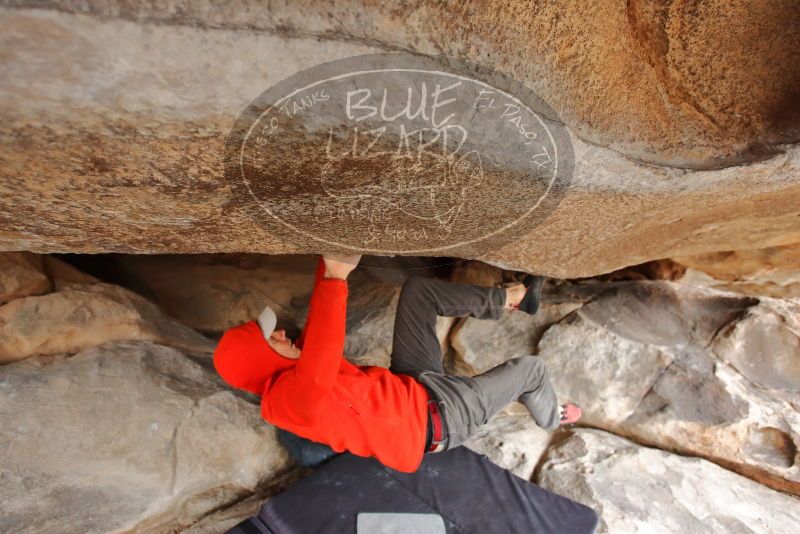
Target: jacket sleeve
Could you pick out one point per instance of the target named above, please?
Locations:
(300, 392)
(317, 277)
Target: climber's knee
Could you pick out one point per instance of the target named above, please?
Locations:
(414, 283)
(533, 367)
(414, 288)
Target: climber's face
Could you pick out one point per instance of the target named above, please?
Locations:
(283, 345)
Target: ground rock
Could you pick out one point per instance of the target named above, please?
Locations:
(141, 439)
(698, 403)
(605, 374)
(476, 341)
(511, 440)
(731, 396)
(212, 293)
(690, 369)
(636, 489)
(703, 407)
(21, 275)
(764, 346)
(62, 274)
(224, 519)
(82, 316)
(664, 313)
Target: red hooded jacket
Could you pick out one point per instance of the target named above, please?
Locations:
(368, 411)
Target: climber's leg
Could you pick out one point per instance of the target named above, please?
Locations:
(469, 402)
(415, 346)
(524, 379)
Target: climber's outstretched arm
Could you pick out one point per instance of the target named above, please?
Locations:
(323, 344)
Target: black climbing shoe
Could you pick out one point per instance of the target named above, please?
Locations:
(530, 302)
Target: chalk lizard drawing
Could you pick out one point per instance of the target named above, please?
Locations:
(427, 186)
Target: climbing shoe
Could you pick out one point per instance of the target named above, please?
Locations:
(569, 413)
(530, 302)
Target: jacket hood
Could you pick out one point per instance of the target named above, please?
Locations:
(244, 359)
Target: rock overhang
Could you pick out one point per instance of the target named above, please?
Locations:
(115, 128)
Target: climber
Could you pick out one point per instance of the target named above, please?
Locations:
(310, 391)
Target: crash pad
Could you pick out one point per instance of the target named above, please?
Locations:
(467, 491)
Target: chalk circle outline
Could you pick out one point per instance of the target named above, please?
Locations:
(245, 124)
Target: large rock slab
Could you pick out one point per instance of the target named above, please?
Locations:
(698, 403)
(694, 370)
(709, 402)
(141, 439)
(771, 271)
(605, 374)
(663, 60)
(636, 489)
(476, 341)
(85, 315)
(114, 109)
(664, 313)
(764, 346)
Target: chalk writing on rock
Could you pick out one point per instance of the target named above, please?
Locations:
(399, 154)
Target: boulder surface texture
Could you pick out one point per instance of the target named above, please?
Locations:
(683, 117)
(638, 489)
(129, 436)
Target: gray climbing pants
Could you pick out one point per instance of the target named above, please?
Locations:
(466, 403)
